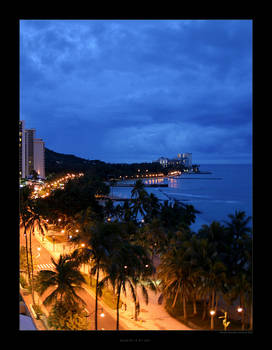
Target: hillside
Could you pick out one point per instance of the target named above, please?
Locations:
(64, 163)
(59, 162)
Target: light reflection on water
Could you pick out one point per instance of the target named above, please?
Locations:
(214, 198)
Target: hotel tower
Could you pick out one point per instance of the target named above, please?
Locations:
(31, 152)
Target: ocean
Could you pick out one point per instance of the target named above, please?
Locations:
(216, 195)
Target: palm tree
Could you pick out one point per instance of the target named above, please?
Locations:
(25, 202)
(139, 199)
(152, 207)
(176, 214)
(154, 237)
(66, 279)
(138, 189)
(125, 269)
(109, 209)
(241, 234)
(125, 212)
(35, 219)
(100, 240)
(238, 224)
(174, 273)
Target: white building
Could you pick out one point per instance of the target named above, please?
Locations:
(182, 158)
(31, 152)
(163, 161)
(39, 157)
(187, 159)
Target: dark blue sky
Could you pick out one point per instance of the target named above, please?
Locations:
(135, 90)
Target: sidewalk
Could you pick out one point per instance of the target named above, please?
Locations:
(152, 316)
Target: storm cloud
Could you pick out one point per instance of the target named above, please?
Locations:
(135, 90)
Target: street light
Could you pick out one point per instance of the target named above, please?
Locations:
(98, 309)
(38, 255)
(212, 313)
(240, 310)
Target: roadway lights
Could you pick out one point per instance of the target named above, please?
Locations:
(240, 309)
(82, 245)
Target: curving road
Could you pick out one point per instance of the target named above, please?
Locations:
(43, 257)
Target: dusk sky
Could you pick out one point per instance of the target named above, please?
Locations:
(135, 90)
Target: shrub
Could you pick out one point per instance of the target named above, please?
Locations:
(23, 281)
(38, 310)
(67, 318)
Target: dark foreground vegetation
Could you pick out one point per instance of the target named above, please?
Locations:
(196, 269)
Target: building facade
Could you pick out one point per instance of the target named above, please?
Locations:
(31, 152)
(187, 159)
(39, 157)
(22, 149)
(182, 158)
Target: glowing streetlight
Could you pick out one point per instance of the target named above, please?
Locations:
(240, 309)
(83, 245)
(212, 313)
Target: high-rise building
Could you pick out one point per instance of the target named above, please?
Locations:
(39, 157)
(31, 152)
(182, 158)
(187, 158)
(22, 149)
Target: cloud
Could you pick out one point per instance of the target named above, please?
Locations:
(167, 85)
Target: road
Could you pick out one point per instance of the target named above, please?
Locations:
(43, 258)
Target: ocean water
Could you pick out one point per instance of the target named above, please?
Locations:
(216, 195)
